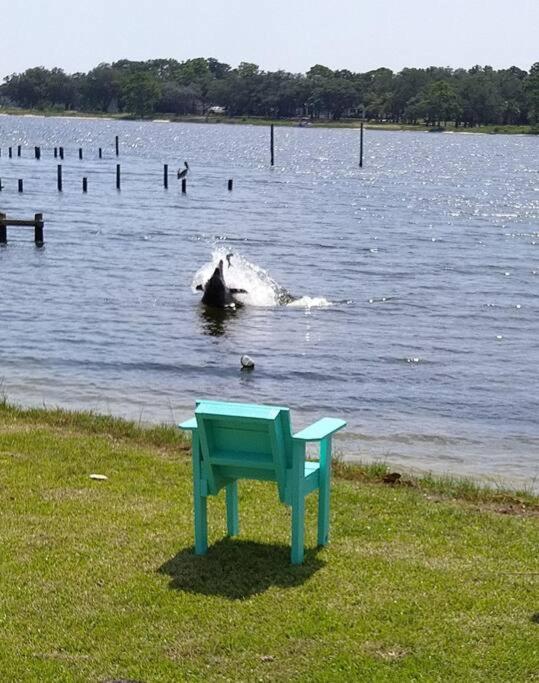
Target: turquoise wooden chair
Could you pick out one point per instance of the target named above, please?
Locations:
(232, 441)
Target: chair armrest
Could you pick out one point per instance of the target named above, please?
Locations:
(320, 430)
(189, 425)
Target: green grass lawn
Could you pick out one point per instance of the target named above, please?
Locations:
(98, 581)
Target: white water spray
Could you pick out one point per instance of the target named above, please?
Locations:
(262, 289)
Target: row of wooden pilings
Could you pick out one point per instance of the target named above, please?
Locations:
(59, 151)
(60, 183)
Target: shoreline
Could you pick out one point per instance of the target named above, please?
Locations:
(458, 486)
(347, 124)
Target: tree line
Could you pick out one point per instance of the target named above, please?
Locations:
(434, 95)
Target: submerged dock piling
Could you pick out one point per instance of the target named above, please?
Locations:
(37, 223)
(85, 184)
(117, 145)
(61, 152)
(80, 152)
(37, 152)
(184, 185)
(59, 177)
(230, 184)
(20, 183)
(272, 149)
(100, 153)
(118, 176)
(10, 152)
(165, 176)
(18, 150)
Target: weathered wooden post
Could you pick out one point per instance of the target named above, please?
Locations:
(85, 184)
(3, 229)
(272, 145)
(61, 152)
(20, 185)
(80, 152)
(18, 150)
(165, 176)
(361, 138)
(10, 153)
(38, 229)
(117, 176)
(230, 184)
(117, 144)
(59, 177)
(56, 152)
(100, 153)
(37, 152)
(184, 185)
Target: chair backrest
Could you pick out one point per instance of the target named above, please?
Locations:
(244, 441)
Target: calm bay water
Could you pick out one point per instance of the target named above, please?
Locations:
(428, 256)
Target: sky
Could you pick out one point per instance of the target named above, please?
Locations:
(275, 34)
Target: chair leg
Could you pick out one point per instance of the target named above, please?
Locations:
(298, 531)
(323, 492)
(200, 503)
(232, 518)
(298, 503)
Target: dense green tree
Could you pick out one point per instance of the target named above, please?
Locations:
(532, 94)
(439, 103)
(140, 93)
(101, 88)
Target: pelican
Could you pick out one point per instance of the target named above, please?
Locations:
(182, 172)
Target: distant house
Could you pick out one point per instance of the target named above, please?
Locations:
(218, 111)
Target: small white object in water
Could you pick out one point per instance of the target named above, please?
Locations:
(499, 336)
(99, 477)
(247, 362)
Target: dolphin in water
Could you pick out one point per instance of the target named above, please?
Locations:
(216, 292)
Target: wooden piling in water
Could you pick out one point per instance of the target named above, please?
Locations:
(100, 153)
(21, 189)
(56, 152)
(37, 152)
(38, 229)
(272, 140)
(165, 176)
(117, 144)
(184, 185)
(3, 229)
(85, 184)
(80, 152)
(10, 153)
(61, 152)
(59, 177)
(230, 184)
(361, 146)
(117, 176)
(18, 150)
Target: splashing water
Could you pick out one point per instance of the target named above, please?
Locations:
(262, 289)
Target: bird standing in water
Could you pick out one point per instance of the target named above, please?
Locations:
(182, 172)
